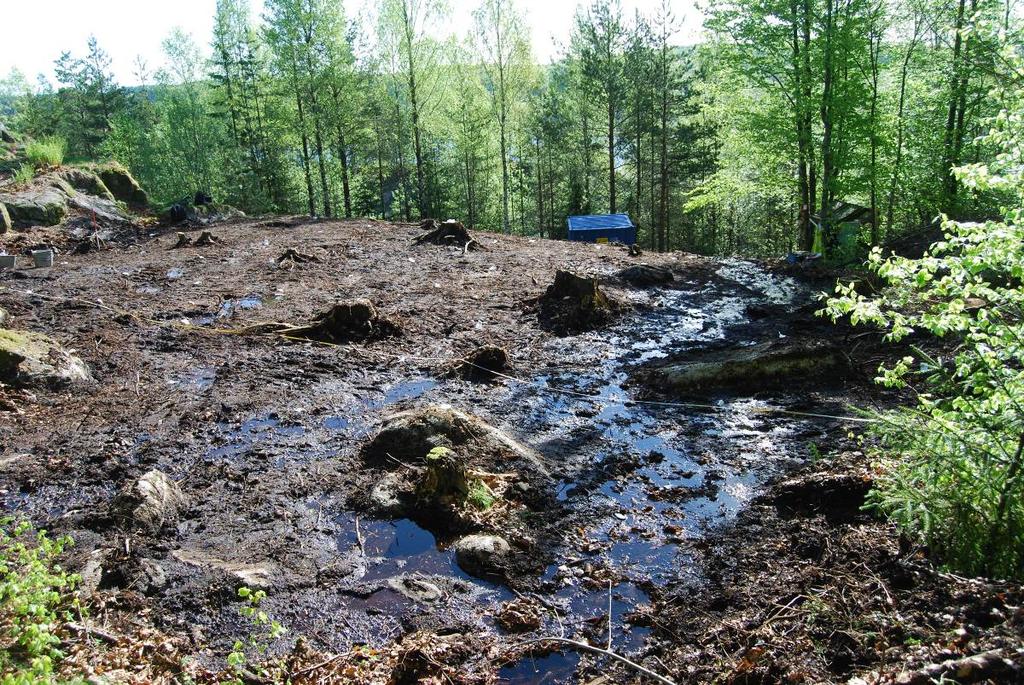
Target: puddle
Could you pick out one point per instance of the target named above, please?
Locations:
(640, 481)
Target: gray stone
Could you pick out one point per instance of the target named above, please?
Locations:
(86, 182)
(255, 576)
(482, 555)
(7, 136)
(5, 219)
(416, 589)
(384, 497)
(34, 359)
(37, 207)
(644, 276)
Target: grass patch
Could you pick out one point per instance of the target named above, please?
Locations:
(47, 152)
(36, 598)
(24, 174)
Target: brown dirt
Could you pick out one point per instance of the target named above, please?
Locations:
(263, 435)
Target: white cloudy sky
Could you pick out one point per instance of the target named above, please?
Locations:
(36, 31)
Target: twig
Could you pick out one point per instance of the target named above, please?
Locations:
(609, 614)
(89, 631)
(359, 538)
(583, 646)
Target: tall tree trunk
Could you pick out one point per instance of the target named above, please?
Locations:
(827, 170)
(421, 201)
(611, 152)
(305, 141)
(948, 144)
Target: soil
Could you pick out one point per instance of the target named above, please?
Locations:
(681, 515)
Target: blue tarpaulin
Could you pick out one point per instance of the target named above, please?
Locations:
(602, 228)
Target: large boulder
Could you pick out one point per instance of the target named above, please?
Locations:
(5, 219)
(86, 182)
(122, 185)
(150, 502)
(410, 436)
(482, 555)
(34, 359)
(46, 206)
(750, 368)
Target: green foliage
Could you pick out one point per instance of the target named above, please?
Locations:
(953, 466)
(24, 174)
(47, 152)
(263, 629)
(36, 597)
(480, 496)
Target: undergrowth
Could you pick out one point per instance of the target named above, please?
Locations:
(36, 598)
(46, 152)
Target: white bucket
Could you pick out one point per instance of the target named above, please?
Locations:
(43, 258)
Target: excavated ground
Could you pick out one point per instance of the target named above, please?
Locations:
(667, 513)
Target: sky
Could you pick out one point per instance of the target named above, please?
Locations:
(128, 29)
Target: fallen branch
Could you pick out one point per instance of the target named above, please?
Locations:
(583, 646)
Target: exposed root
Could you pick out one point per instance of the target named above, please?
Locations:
(356, 320)
(291, 257)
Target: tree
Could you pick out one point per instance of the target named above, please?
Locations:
(505, 56)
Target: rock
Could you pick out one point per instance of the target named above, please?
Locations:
(4, 316)
(644, 276)
(409, 436)
(255, 576)
(750, 368)
(416, 589)
(99, 210)
(37, 207)
(385, 497)
(122, 185)
(5, 219)
(573, 304)
(86, 182)
(7, 136)
(34, 359)
(482, 555)
(151, 502)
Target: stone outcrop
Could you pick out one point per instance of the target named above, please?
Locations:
(34, 359)
(41, 206)
(122, 185)
(86, 182)
(5, 219)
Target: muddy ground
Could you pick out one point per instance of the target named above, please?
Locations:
(671, 512)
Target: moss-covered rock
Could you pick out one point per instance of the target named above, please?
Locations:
(5, 219)
(7, 136)
(34, 359)
(46, 206)
(122, 185)
(85, 181)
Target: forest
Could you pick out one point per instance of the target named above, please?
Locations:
(729, 146)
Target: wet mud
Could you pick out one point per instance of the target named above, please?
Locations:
(264, 434)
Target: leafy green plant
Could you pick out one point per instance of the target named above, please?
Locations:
(24, 174)
(263, 629)
(47, 152)
(953, 463)
(36, 597)
(480, 496)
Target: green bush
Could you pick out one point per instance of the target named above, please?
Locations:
(36, 597)
(952, 464)
(24, 174)
(48, 152)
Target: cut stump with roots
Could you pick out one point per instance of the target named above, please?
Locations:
(450, 232)
(573, 304)
(355, 320)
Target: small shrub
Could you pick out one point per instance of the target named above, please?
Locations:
(263, 629)
(24, 174)
(48, 152)
(36, 597)
(954, 463)
(480, 496)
